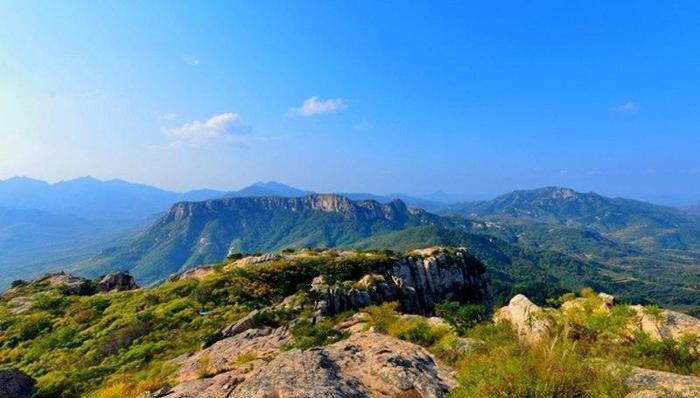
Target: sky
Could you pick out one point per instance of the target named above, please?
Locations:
(470, 98)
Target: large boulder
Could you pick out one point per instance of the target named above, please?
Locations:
(365, 365)
(116, 281)
(15, 384)
(664, 323)
(647, 383)
(526, 318)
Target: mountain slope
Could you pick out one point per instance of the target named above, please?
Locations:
(192, 233)
(638, 223)
(538, 273)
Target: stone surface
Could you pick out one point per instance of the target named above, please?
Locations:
(227, 356)
(116, 281)
(15, 384)
(417, 282)
(526, 318)
(20, 305)
(365, 365)
(670, 324)
(647, 382)
(241, 325)
(72, 284)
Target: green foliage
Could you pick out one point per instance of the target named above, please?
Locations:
(18, 283)
(383, 316)
(307, 335)
(506, 368)
(461, 316)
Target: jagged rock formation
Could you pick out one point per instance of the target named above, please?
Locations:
(365, 365)
(15, 384)
(417, 282)
(116, 281)
(526, 318)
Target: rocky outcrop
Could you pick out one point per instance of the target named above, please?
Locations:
(241, 325)
(15, 384)
(647, 383)
(664, 324)
(72, 284)
(116, 281)
(417, 281)
(365, 365)
(526, 318)
(254, 364)
(236, 356)
(532, 324)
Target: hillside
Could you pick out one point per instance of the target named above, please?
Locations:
(541, 273)
(628, 221)
(193, 233)
(322, 323)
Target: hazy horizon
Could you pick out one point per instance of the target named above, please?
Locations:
(473, 100)
(440, 195)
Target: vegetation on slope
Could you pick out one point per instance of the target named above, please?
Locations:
(122, 343)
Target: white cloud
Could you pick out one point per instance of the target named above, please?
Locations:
(225, 127)
(628, 107)
(313, 106)
(169, 116)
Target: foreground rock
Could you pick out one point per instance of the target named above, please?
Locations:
(655, 384)
(253, 365)
(417, 281)
(526, 318)
(365, 365)
(15, 384)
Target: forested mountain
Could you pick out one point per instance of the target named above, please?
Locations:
(639, 223)
(193, 233)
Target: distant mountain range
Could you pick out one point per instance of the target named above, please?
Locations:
(630, 221)
(546, 240)
(542, 242)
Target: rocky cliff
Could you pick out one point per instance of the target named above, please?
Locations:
(417, 281)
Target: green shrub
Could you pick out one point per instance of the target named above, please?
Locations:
(461, 316)
(307, 335)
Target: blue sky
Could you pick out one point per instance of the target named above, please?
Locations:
(470, 98)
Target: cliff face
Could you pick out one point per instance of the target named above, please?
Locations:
(331, 203)
(418, 282)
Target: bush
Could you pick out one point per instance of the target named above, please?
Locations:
(382, 316)
(307, 335)
(18, 283)
(461, 316)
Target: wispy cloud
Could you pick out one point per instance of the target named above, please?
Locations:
(168, 116)
(191, 60)
(628, 107)
(314, 106)
(225, 127)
